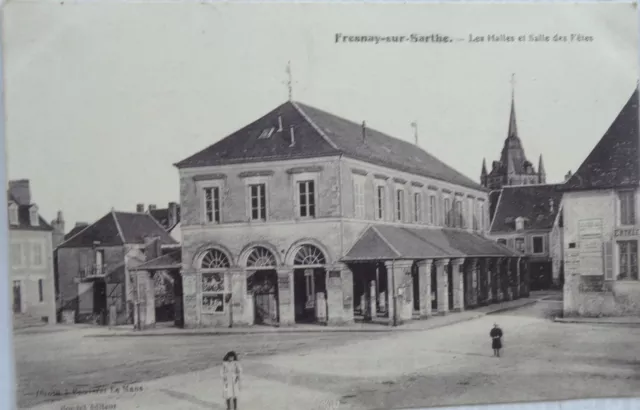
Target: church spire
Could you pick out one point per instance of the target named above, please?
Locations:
(483, 173)
(541, 172)
(513, 129)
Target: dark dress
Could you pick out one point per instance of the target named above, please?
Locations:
(496, 335)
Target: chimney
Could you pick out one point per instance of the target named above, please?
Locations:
(415, 131)
(279, 123)
(140, 208)
(81, 224)
(173, 214)
(20, 191)
(152, 207)
(364, 131)
(567, 176)
(58, 230)
(293, 139)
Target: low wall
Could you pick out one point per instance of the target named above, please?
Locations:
(617, 298)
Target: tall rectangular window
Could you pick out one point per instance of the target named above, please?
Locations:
(627, 207)
(358, 198)
(99, 262)
(481, 217)
(519, 245)
(476, 218)
(432, 210)
(538, 244)
(40, 290)
(400, 205)
(459, 221)
(628, 260)
(16, 254)
(307, 200)
(212, 204)
(258, 199)
(417, 207)
(447, 212)
(380, 200)
(36, 253)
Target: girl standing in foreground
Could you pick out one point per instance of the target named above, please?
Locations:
(496, 337)
(230, 373)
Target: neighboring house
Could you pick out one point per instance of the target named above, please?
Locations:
(601, 229)
(95, 262)
(524, 220)
(303, 216)
(513, 168)
(31, 257)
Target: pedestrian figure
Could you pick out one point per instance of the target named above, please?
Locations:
(496, 339)
(231, 372)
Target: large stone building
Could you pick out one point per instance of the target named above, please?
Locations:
(527, 219)
(31, 258)
(601, 230)
(302, 216)
(95, 266)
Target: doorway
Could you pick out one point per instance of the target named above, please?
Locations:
(264, 286)
(178, 314)
(307, 283)
(434, 287)
(416, 287)
(100, 301)
(17, 297)
(450, 285)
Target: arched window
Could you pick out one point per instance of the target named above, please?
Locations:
(309, 255)
(214, 259)
(261, 258)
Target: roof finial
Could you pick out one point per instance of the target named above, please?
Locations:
(415, 131)
(289, 81)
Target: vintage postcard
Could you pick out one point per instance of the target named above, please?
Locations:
(221, 205)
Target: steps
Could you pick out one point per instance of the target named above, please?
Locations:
(23, 321)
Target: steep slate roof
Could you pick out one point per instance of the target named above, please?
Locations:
(614, 162)
(385, 242)
(318, 133)
(530, 202)
(24, 219)
(118, 228)
(76, 229)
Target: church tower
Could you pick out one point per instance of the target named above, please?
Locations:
(513, 168)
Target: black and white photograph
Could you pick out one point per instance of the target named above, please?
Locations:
(242, 205)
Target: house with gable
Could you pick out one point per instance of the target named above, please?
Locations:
(30, 258)
(95, 266)
(527, 219)
(303, 216)
(601, 229)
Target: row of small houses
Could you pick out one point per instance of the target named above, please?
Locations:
(305, 217)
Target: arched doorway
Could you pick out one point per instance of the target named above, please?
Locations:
(309, 281)
(213, 266)
(262, 282)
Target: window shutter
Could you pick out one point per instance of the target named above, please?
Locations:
(511, 243)
(608, 260)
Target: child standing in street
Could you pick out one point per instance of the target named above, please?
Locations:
(230, 373)
(496, 339)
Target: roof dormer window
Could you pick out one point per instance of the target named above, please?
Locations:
(33, 216)
(519, 223)
(13, 214)
(266, 133)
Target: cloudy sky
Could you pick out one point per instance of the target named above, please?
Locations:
(102, 98)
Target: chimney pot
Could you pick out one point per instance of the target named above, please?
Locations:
(140, 208)
(293, 139)
(364, 130)
(152, 207)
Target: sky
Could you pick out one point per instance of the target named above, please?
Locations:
(103, 97)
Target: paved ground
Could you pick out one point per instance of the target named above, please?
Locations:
(543, 360)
